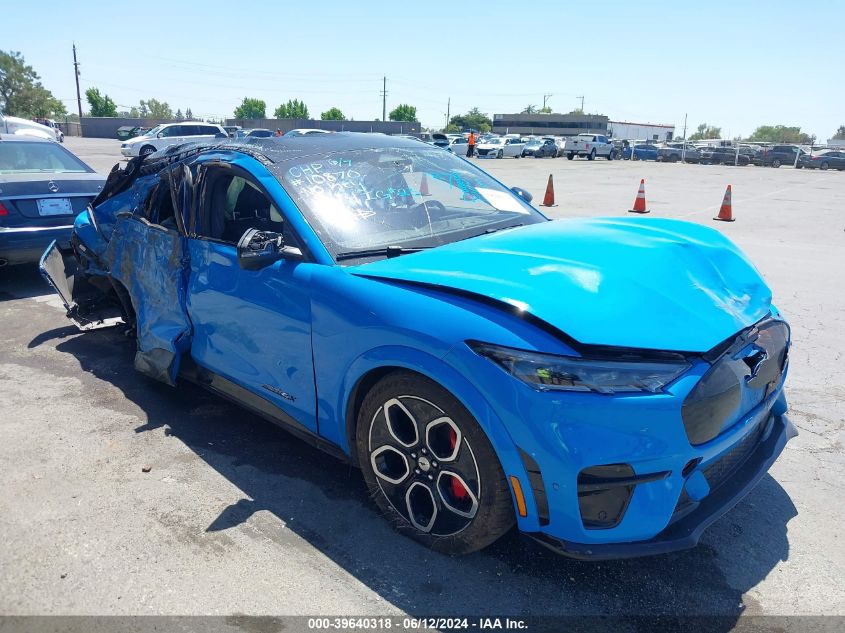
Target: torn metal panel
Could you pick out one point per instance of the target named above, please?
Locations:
(87, 306)
(151, 264)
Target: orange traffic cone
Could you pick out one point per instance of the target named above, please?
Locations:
(639, 203)
(549, 198)
(424, 185)
(726, 210)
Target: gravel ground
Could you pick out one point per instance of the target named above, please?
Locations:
(236, 516)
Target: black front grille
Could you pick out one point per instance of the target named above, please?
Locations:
(720, 470)
(738, 380)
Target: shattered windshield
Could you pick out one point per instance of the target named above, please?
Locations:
(410, 198)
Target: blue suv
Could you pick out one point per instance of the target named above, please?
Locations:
(611, 386)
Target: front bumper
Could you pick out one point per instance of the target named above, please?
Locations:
(686, 531)
(129, 152)
(616, 476)
(25, 244)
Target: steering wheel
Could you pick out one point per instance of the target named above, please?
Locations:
(435, 205)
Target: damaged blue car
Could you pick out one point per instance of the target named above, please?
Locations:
(611, 386)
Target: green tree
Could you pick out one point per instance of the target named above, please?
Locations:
(705, 131)
(333, 114)
(529, 109)
(189, 115)
(134, 113)
(44, 105)
(154, 109)
(780, 134)
(474, 119)
(403, 112)
(545, 110)
(101, 104)
(251, 109)
(21, 92)
(840, 133)
(293, 109)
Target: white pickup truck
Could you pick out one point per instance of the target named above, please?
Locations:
(589, 145)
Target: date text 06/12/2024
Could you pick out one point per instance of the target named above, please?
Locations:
(414, 624)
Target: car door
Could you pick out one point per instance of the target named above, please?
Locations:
(251, 328)
(209, 133)
(171, 135)
(147, 255)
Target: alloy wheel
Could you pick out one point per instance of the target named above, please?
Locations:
(424, 465)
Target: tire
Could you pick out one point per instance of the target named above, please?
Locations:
(592, 155)
(500, 154)
(776, 163)
(570, 156)
(610, 155)
(146, 150)
(674, 158)
(452, 515)
(824, 166)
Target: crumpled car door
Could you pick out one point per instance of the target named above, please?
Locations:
(151, 263)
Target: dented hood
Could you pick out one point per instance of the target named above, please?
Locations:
(630, 282)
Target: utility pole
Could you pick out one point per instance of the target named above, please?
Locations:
(384, 100)
(582, 103)
(76, 75)
(684, 146)
(544, 100)
(448, 110)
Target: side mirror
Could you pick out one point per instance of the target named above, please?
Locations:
(522, 193)
(160, 135)
(258, 249)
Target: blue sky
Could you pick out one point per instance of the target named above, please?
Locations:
(736, 64)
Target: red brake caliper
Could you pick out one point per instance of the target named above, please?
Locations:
(458, 491)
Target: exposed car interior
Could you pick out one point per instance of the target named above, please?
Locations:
(235, 205)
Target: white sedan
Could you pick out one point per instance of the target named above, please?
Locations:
(501, 147)
(459, 146)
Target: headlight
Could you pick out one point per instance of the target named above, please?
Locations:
(124, 146)
(549, 372)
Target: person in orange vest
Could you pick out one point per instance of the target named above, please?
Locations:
(471, 144)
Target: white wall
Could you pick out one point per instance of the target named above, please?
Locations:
(636, 131)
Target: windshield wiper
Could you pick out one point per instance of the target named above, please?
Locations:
(496, 230)
(387, 251)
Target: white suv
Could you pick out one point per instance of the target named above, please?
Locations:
(169, 134)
